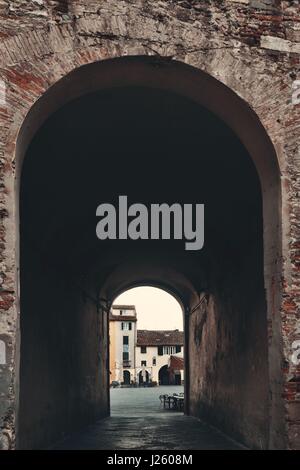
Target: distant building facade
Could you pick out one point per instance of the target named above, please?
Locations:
(153, 352)
(123, 333)
(143, 356)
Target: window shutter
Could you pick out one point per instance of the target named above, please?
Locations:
(160, 351)
(178, 349)
(122, 326)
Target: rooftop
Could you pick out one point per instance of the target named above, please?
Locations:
(113, 317)
(124, 307)
(130, 317)
(159, 338)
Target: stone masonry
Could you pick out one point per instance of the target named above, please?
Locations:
(251, 46)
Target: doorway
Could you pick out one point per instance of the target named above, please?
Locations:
(164, 378)
(126, 377)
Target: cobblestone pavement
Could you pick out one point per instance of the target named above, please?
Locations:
(138, 422)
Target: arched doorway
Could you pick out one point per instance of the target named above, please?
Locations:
(58, 242)
(164, 378)
(143, 377)
(126, 377)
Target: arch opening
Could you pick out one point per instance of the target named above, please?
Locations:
(156, 145)
(146, 333)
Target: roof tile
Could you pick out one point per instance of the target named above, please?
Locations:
(159, 338)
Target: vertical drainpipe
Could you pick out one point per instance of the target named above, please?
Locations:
(186, 360)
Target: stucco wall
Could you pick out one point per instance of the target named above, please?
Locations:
(160, 360)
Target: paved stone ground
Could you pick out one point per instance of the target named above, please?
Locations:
(140, 401)
(139, 422)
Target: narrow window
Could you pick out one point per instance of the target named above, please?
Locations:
(125, 356)
(126, 344)
(143, 349)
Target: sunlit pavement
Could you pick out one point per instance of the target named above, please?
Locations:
(138, 421)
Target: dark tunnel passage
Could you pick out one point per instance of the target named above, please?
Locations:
(155, 147)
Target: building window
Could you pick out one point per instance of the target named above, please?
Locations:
(125, 356)
(143, 349)
(121, 312)
(154, 361)
(169, 350)
(144, 363)
(126, 325)
(125, 343)
(178, 349)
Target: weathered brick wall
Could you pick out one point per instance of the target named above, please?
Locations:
(251, 46)
(229, 351)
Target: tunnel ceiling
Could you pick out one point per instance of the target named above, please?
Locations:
(152, 146)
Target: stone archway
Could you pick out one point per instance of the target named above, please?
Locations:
(182, 89)
(46, 42)
(242, 123)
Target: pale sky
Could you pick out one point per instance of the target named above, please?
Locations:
(156, 309)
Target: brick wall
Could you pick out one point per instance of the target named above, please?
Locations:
(250, 46)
